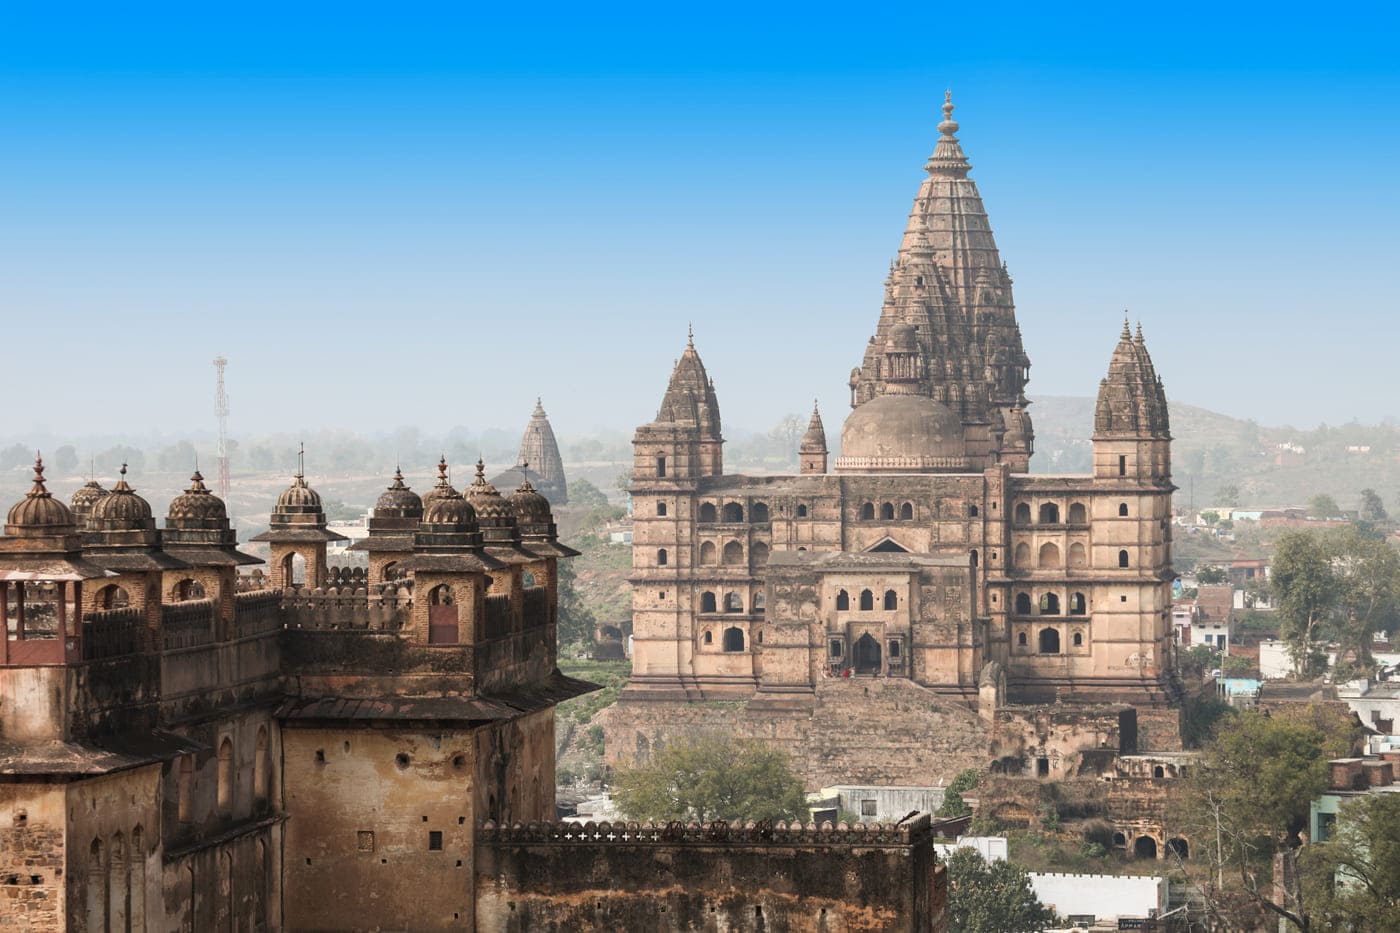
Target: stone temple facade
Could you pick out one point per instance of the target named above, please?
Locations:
(924, 553)
(189, 745)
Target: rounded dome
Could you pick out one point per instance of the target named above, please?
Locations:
(87, 495)
(490, 505)
(38, 512)
(122, 507)
(299, 497)
(909, 432)
(449, 511)
(398, 500)
(530, 506)
(197, 503)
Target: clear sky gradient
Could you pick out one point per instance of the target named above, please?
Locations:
(415, 214)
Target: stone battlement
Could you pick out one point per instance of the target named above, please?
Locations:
(673, 833)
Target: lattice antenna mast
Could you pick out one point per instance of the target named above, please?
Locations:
(221, 409)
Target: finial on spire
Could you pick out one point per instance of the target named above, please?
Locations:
(301, 460)
(690, 334)
(442, 469)
(1139, 330)
(524, 465)
(1127, 330)
(122, 471)
(949, 126)
(480, 469)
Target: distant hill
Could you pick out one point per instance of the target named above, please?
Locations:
(1269, 466)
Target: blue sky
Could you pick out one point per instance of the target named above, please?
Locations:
(434, 214)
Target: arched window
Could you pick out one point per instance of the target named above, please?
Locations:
(707, 602)
(1049, 604)
(733, 602)
(867, 599)
(1049, 514)
(1122, 558)
(661, 467)
(1022, 515)
(189, 588)
(1077, 515)
(758, 636)
(972, 555)
(1122, 510)
(1023, 555)
(709, 554)
(758, 554)
(661, 557)
(733, 512)
(260, 766)
(1178, 848)
(96, 888)
(1122, 465)
(733, 639)
(1078, 639)
(758, 512)
(293, 571)
(802, 511)
(906, 512)
(709, 638)
(887, 511)
(1144, 846)
(867, 512)
(528, 579)
(118, 881)
(972, 511)
(184, 789)
(1023, 604)
(226, 774)
(1021, 640)
(707, 512)
(733, 554)
(891, 600)
(843, 600)
(661, 508)
(112, 597)
(1049, 556)
(137, 879)
(1049, 641)
(1077, 555)
(759, 604)
(1078, 605)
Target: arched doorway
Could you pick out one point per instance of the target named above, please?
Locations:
(867, 655)
(442, 616)
(1049, 641)
(1145, 847)
(1178, 848)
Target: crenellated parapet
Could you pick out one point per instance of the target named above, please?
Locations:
(383, 607)
(679, 832)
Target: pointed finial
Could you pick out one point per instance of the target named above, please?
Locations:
(690, 335)
(301, 460)
(949, 126)
(442, 469)
(38, 469)
(1139, 331)
(1127, 331)
(480, 469)
(814, 406)
(122, 471)
(524, 465)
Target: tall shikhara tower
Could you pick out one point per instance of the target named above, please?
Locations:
(949, 283)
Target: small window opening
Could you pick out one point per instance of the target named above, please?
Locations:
(434, 840)
(867, 600)
(1122, 465)
(661, 467)
(661, 557)
(1123, 509)
(660, 508)
(1042, 767)
(802, 511)
(891, 599)
(843, 601)
(1122, 558)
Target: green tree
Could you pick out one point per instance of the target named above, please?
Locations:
(65, 459)
(576, 621)
(1323, 506)
(1367, 573)
(994, 897)
(1251, 792)
(1229, 494)
(1372, 508)
(1307, 591)
(1353, 879)
(709, 777)
(1211, 575)
(953, 803)
(584, 494)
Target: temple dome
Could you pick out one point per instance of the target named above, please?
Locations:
(121, 509)
(299, 497)
(531, 507)
(38, 513)
(450, 511)
(398, 500)
(86, 496)
(490, 505)
(197, 503)
(901, 433)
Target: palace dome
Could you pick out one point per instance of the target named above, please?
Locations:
(398, 500)
(197, 503)
(121, 509)
(901, 433)
(38, 512)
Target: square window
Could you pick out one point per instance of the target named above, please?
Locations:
(867, 808)
(434, 841)
(364, 840)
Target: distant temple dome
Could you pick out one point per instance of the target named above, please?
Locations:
(902, 434)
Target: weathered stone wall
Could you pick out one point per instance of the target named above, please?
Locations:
(863, 731)
(717, 877)
(32, 857)
(379, 831)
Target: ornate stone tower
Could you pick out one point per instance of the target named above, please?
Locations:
(1132, 435)
(396, 515)
(949, 283)
(812, 452)
(298, 530)
(539, 451)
